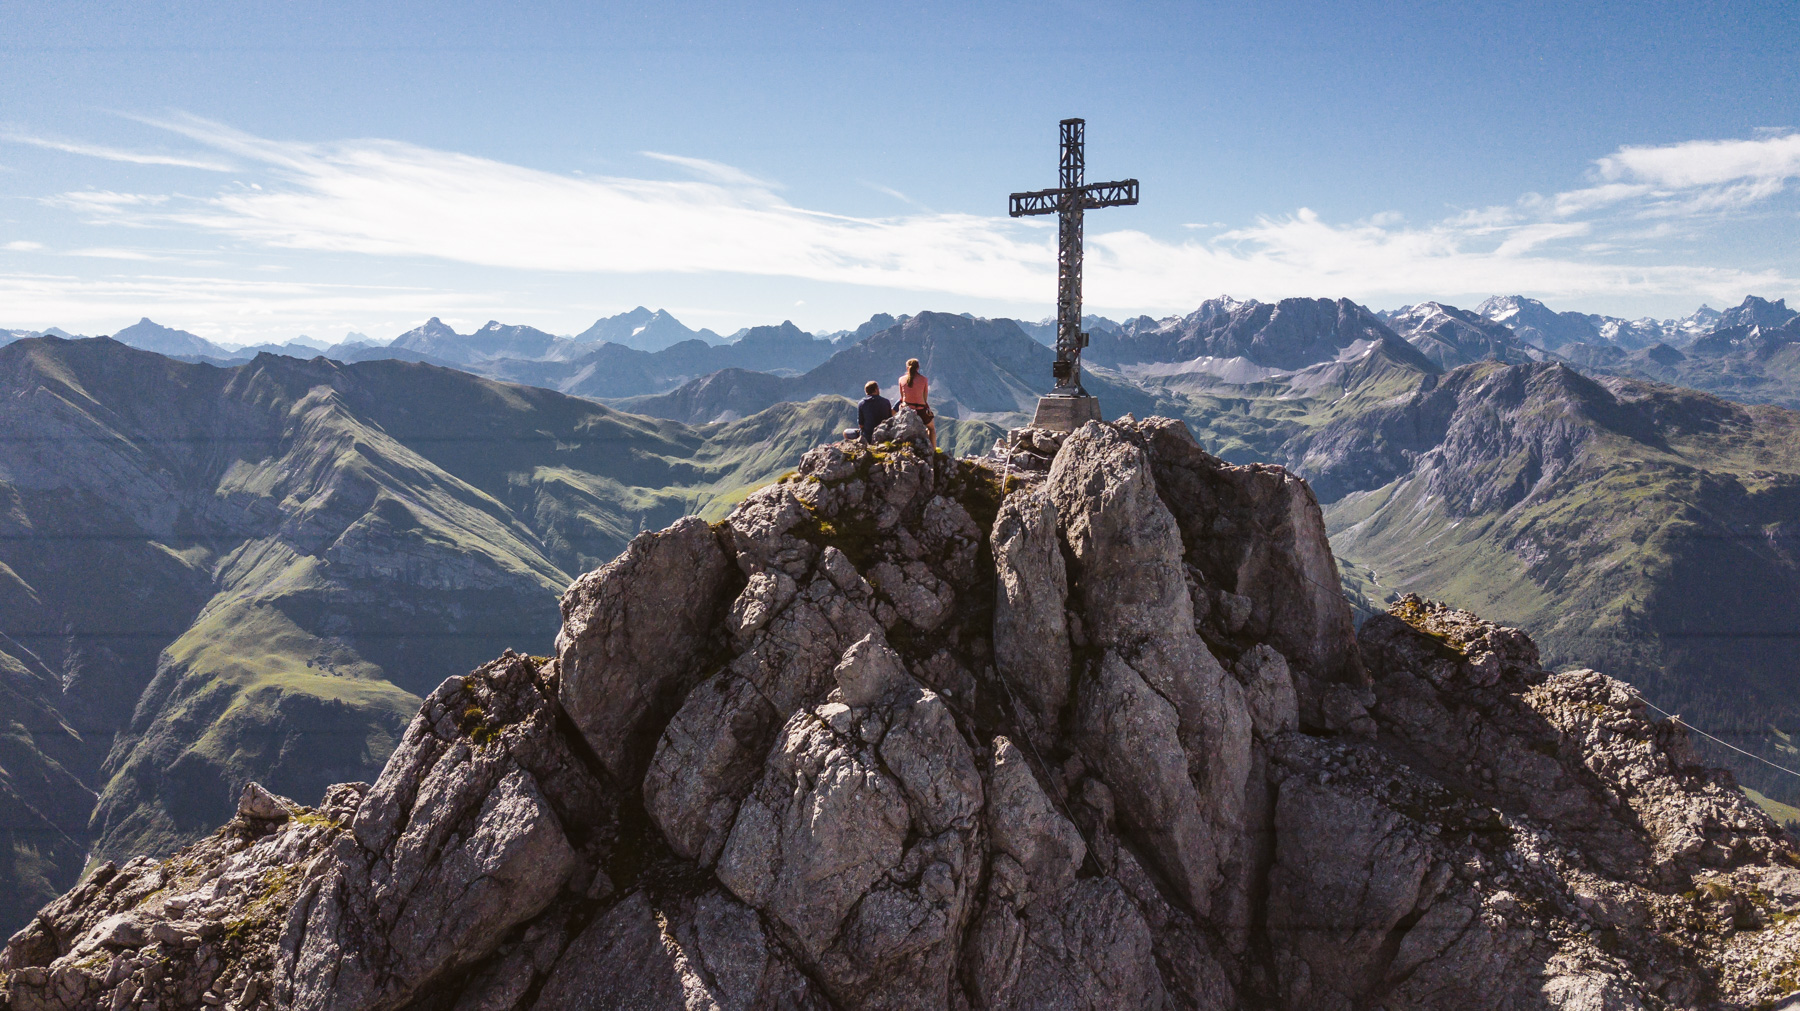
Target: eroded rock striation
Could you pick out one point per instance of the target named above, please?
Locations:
(912, 732)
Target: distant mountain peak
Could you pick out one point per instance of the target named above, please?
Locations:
(1756, 311)
(149, 335)
(643, 330)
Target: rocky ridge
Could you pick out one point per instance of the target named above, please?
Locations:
(907, 731)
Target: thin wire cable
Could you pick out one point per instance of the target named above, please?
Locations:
(1678, 718)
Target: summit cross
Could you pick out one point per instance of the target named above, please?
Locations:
(1068, 201)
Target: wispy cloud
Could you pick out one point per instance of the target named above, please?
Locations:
(1706, 162)
(386, 198)
(1301, 253)
(22, 246)
(117, 154)
(889, 191)
(113, 253)
(1688, 179)
(713, 171)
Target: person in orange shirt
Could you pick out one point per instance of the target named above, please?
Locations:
(913, 389)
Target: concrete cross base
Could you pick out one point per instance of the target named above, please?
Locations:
(1065, 414)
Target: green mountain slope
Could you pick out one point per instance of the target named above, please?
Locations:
(209, 575)
(1650, 531)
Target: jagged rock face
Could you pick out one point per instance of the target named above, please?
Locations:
(198, 929)
(634, 634)
(474, 827)
(1450, 336)
(896, 736)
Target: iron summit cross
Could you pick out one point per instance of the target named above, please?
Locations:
(1068, 405)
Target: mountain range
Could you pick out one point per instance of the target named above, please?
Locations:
(1550, 330)
(217, 572)
(979, 369)
(643, 353)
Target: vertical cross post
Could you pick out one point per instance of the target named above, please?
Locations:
(1069, 202)
(1069, 338)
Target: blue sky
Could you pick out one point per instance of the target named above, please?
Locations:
(261, 170)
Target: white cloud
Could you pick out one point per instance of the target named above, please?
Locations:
(1696, 178)
(386, 198)
(1305, 254)
(1705, 162)
(22, 246)
(1527, 237)
(118, 154)
(109, 253)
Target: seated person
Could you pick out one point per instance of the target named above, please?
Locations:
(912, 395)
(873, 410)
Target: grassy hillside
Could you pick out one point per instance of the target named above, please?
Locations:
(209, 575)
(46, 766)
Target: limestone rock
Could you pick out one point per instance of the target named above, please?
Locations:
(708, 953)
(1025, 825)
(861, 840)
(762, 598)
(904, 426)
(869, 672)
(257, 802)
(1162, 701)
(459, 841)
(706, 762)
(1031, 633)
(156, 931)
(1256, 531)
(635, 635)
(1268, 690)
(1087, 947)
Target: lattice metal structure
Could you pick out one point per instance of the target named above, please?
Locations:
(1068, 201)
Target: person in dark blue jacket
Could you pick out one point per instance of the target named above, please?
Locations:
(873, 410)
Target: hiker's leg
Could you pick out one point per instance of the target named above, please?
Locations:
(931, 428)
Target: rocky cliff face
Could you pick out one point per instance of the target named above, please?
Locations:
(1451, 337)
(906, 731)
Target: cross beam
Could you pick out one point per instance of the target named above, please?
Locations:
(1068, 201)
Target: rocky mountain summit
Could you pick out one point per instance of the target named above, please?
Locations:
(912, 731)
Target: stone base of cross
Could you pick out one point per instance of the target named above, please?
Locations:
(1069, 405)
(1066, 412)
